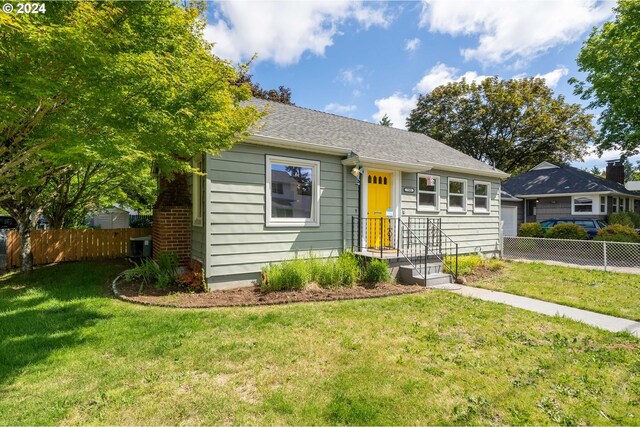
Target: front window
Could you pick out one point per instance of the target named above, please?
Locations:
(614, 204)
(457, 199)
(582, 205)
(293, 189)
(603, 204)
(481, 192)
(428, 199)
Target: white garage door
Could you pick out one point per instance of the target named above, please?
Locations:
(509, 220)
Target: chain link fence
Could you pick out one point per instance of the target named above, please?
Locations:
(607, 256)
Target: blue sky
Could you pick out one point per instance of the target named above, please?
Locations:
(365, 59)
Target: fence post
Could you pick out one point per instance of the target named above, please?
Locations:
(605, 255)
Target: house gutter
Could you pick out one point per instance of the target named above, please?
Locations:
(371, 161)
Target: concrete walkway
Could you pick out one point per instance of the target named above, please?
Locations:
(602, 321)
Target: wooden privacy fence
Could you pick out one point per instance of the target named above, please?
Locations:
(73, 245)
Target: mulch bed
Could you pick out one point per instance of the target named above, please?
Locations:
(250, 296)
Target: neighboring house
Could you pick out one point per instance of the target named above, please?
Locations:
(551, 191)
(291, 188)
(110, 218)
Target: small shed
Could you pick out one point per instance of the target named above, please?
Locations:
(111, 218)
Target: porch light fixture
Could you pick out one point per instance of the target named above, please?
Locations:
(357, 171)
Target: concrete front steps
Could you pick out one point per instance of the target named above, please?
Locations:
(409, 275)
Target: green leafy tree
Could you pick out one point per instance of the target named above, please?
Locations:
(79, 192)
(510, 124)
(610, 58)
(385, 121)
(108, 83)
(281, 95)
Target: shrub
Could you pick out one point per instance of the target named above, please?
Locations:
(289, 275)
(618, 233)
(635, 217)
(140, 223)
(495, 264)
(377, 271)
(531, 229)
(167, 273)
(193, 281)
(146, 271)
(567, 231)
(341, 272)
(161, 274)
(621, 218)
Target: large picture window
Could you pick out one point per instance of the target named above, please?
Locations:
(582, 205)
(457, 200)
(293, 192)
(481, 196)
(428, 193)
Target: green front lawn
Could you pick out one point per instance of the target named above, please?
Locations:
(70, 354)
(616, 294)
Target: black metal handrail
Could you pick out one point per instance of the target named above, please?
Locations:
(417, 239)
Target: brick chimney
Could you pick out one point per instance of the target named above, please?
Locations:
(172, 218)
(615, 171)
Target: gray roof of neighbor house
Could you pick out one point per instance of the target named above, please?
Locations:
(365, 140)
(560, 180)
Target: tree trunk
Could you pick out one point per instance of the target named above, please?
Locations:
(25, 228)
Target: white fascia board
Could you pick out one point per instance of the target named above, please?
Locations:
(371, 162)
(296, 145)
(469, 171)
(590, 193)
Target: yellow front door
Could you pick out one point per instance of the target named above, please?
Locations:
(379, 195)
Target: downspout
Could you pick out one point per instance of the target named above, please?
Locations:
(345, 217)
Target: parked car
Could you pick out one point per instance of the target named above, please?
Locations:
(7, 223)
(592, 225)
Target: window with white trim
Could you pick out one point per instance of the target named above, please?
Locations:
(196, 191)
(582, 205)
(603, 204)
(428, 193)
(614, 204)
(457, 200)
(481, 196)
(293, 192)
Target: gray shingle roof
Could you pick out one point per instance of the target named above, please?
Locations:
(560, 180)
(364, 139)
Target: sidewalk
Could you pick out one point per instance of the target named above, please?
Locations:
(602, 321)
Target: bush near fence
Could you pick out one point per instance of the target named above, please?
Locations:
(50, 246)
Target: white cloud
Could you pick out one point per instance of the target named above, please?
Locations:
(351, 76)
(412, 45)
(552, 78)
(339, 108)
(356, 93)
(282, 31)
(515, 30)
(440, 74)
(397, 107)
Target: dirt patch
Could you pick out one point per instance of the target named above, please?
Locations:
(480, 274)
(254, 296)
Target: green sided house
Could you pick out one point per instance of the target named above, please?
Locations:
(307, 181)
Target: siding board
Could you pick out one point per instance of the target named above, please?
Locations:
(240, 242)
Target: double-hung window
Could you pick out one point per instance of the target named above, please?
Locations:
(614, 204)
(428, 193)
(293, 192)
(481, 196)
(457, 199)
(603, 204)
